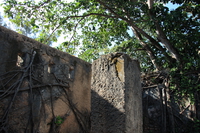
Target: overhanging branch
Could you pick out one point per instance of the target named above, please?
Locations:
(147, 49)
(142, 32)
(79, 16)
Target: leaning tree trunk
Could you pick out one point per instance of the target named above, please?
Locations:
(161, 35)
(147, 49)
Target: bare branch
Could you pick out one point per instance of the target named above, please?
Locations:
(111, 10)
(75, 29)
(153, 41)
(148, 49)
(161, 35)
(150, 3)
(163, 38)
(79, 16)
(52, 33)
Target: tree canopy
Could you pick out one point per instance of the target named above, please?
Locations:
(160, 38)
(145, 29)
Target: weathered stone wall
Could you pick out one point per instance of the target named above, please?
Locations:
(41, 89)
(116, 95)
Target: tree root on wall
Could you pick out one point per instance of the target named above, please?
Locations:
(22, 79)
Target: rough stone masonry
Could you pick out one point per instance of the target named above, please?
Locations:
(47, 91)
(42, 90)
(116, 95)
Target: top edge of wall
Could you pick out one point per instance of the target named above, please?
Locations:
(12, 36)
(116, 55)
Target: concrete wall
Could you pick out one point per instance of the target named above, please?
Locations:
(41, 89)
(116, 95)
(45, 90)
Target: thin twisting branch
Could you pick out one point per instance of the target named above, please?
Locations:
(35, 87)
(75, 29)
(18, 84)
(78, 16)
(78, 115)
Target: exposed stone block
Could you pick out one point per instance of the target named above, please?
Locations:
(116, 95)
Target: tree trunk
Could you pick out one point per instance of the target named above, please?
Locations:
(152, 40)
(161, 35)
(148, 49)
(163, 38)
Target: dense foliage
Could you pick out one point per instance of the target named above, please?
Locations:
(160, 38)
(147, 30)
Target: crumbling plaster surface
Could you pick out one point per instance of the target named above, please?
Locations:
(59, 82)
(116, 95)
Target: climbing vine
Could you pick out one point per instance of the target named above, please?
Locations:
(23, 79)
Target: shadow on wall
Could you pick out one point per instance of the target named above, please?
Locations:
(36, 97)
(41, 89)
(158, 117)
(105, 118)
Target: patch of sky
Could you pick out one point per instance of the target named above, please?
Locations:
(6, 23)
(172, 6)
